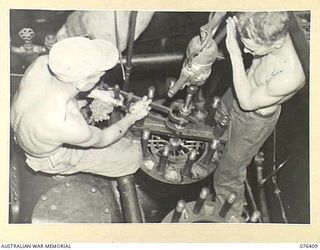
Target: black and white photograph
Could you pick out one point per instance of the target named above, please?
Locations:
(129, 116)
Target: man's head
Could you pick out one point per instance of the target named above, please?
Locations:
(261, 32)
(82, 61)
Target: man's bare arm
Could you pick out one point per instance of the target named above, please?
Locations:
(78, 133)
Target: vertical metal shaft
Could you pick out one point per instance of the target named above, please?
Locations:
(129, 101)
(213, 147)
(115, 116)
(201, 199)
(132, 28)
(214, 106)
(151, 94)
(144, 142)
(259, 161)
(221, 125)
(178, 211)
(191, 159)
(129, 199)
(164, 158)
(191, 91)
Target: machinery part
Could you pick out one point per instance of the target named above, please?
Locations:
(144, 142)
(128, 66)
(115, 116)
(221, 124)
(128, 100)
(163, 159)
(255, 217)
(178, 211)
(186, 108)
(227, 205)
(259, 161)
(214, 106)
(202, 51)
(212, 149)
(171, 154)
(160, 126)
(72, 202)
(252, 201)
(28, 48)
(151, 94)
(201, 199)
(49, 41)
(191, 160)
(27, 34)
(129, 199)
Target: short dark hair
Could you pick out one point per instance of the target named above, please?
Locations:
(263, 27)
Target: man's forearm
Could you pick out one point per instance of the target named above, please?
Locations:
(114, 133)
(241, 82)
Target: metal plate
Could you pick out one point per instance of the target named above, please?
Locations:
(72, 202)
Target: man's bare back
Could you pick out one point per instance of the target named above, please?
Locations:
(36, 104)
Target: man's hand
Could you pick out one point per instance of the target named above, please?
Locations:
(105, 96)
(231, 40)
(141, 108)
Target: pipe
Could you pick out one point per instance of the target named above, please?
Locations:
(258, 161)
(132, 28)
(155, 59)
(129, 199)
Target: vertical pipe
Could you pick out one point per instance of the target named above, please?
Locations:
(258, 161)
(132, 28)
(129, 199)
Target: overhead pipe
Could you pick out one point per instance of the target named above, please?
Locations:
(128, 66)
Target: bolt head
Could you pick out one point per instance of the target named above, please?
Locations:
(44, 197)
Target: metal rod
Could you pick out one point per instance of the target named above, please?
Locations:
(191, 159)
(227, 205)
(258, 161)
(164, 158)
(178, 211)
(144, 142)
(253, 203)
(132, 28)
(201, 199)
(213, 147)
(129, 199)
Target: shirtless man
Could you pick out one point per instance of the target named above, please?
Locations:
(254, 102)
(46, 118)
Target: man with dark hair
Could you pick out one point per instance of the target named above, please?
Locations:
(254, 101)
(46, 118)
